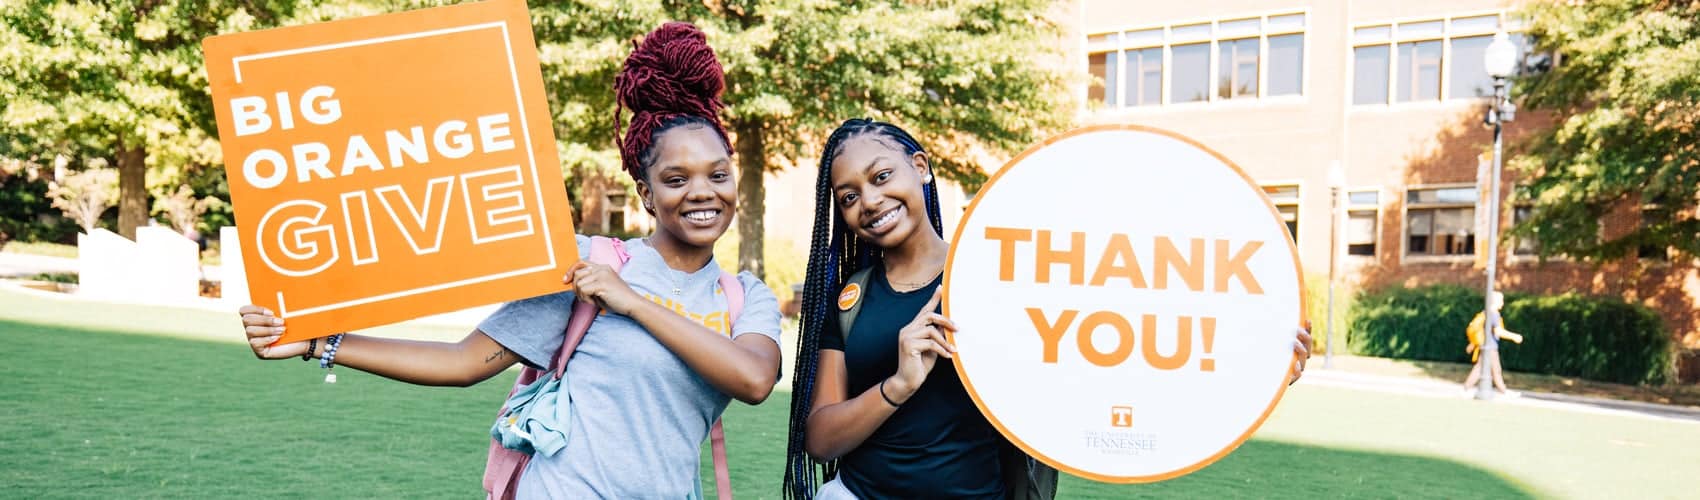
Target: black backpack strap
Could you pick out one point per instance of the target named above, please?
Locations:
(1024, 477)
(855, 289)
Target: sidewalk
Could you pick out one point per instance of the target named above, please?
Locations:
(15, 266)
(22, 266)
(19, 265)
(1426, 387)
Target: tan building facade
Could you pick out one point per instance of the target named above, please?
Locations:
(1392, 93)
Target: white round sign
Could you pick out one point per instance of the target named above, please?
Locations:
(1127, 302)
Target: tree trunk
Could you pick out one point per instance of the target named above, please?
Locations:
(752, 196)
(132, 188)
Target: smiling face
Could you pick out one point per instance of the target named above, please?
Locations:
(878, 190)
(690, 188)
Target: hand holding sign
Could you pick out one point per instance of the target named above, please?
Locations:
(390, 167)
(1301, 350)
(1139, 324)
(264, 329)
(919, 346)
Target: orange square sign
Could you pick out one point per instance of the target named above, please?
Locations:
(390, 167)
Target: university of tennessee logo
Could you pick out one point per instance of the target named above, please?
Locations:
(1121, 416)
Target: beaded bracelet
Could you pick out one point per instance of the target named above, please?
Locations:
(312, 345)
(329, 357)
(328, 361)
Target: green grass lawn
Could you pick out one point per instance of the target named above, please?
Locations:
(128, 401)
(42, 248)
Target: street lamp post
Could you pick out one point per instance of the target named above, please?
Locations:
(1336, 182)
(1500, 61)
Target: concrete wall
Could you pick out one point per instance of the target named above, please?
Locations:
(161, 266)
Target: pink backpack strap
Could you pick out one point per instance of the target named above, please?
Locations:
(503, 466)
(734, 291)
(606, 251)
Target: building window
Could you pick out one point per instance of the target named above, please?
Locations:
(1286, 200)
(1103, 68)
(1370, 74)
(1245, 58)
(1429, 60)
(1236, 74)
(1190, 78)
(1653, 215)
(1363, 210)
(1286, 65)
(1469, 75)
(1440, 221)
(614, 217)
(1418, 70)
(1523, 246)
(1144, 76)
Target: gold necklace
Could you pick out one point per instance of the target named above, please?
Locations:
(906, 287)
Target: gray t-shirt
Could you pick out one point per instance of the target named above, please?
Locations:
(639, 414)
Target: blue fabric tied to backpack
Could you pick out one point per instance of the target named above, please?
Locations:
(537, 418)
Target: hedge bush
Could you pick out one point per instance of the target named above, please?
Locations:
(27, 214)
(1573, 335)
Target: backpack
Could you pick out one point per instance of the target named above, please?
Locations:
(1024, 478)
(503, 466)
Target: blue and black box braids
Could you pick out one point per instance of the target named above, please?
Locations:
(835, 253)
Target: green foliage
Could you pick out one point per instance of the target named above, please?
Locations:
(1627, 88)
(1413, 323)
(963, 76)
(70, 278)
(27, 213)
(786, 264)
(121, 80)
(797, 68)
(98, 79)
(1591, 338)
(1594, 338)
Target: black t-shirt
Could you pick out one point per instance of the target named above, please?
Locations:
(937, 445)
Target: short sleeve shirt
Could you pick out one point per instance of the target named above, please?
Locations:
(937, 445)
(639, 414)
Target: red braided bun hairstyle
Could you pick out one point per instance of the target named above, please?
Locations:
(671, 79)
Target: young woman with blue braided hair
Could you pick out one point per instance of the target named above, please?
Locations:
(879, 408)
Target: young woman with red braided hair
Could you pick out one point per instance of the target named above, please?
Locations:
(876, 408)
(664, 361)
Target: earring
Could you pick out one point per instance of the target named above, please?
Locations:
(929, 179)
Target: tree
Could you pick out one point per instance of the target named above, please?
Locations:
(182, 209)
(962, 75)
(121, 79)
(85, 195)
(1628, 87)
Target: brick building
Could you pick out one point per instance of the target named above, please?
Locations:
(1392, 92)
